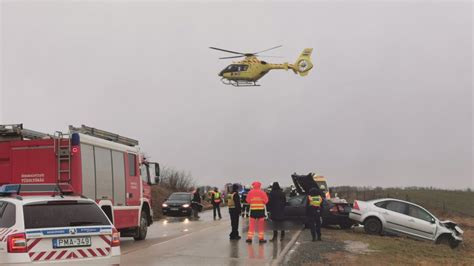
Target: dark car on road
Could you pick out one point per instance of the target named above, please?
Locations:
(334, 213)
(178, 204)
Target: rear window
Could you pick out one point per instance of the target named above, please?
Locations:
(7, 214)
(63, 214)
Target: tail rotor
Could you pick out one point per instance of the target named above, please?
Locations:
(304, 64)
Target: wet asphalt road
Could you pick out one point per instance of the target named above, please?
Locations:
(181, 241)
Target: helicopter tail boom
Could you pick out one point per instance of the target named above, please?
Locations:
(304, 64)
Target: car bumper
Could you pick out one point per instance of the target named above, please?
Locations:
(19, 259)
(177, 212)
(355, 216)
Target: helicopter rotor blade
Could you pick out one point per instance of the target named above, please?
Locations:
(269, 49)
(271, 56)
(228, 51)
(235, 56)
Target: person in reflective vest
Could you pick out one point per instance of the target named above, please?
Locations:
(257, 199)
(233, 202)
(314, 207)
(216, 199)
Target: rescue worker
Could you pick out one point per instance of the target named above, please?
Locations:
(257, 198)
(245, 204)
(233, 202)
(314, 207)
(276, 207)
(196, 203)
(216, 199)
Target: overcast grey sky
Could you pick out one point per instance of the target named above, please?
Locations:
(388, 103)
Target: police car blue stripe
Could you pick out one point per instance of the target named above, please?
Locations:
(67, 231)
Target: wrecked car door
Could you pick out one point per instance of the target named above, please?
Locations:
(421, 223)
(394, 215)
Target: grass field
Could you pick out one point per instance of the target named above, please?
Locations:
(440, 202)
(398, 250)
(355, 247)
(405, 251)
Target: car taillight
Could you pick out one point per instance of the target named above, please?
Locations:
(115, 238)
(356, 206)
(16, 243)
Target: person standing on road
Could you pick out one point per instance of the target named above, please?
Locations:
(314, 207)
(257, 198)
(216, 199)
(196, 203)
(233, 202)
(245, 204)
(276, 207)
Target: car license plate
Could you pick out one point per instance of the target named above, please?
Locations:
(174, 209)
(68, 242)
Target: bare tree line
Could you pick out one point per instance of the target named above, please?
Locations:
(176, 180)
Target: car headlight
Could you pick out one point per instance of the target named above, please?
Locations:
(185, 205)
(164, 205)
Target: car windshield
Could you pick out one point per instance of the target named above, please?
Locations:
(180, 196)
(63, 214)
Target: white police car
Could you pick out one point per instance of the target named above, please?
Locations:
(54, 228)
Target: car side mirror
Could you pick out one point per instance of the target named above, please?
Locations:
(433, 220)
(157, 171)
(153, 173)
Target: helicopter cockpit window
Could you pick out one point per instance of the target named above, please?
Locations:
(235, 68)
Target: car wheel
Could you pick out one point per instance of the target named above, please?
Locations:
(373, 226)
(448, 240)
(453, 243)
(143, 228)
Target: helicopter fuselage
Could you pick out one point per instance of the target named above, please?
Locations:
(251, 69)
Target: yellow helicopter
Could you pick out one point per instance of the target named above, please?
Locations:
(248, 71)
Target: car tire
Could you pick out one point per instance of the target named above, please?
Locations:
(373, 226)
(453, 243)
(143, 228)
(448, 240)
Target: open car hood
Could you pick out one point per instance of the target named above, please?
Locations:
(304, 183)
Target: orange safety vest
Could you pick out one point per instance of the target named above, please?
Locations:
(230, 200)
(257, 203)
(315, 201)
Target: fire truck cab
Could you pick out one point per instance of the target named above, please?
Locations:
(100, 165)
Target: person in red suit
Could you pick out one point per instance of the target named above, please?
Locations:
(257, 199)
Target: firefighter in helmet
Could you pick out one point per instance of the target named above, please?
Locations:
(257, 199)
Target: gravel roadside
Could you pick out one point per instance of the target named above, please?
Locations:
(306, 252)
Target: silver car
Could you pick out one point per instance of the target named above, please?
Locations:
(402, 217)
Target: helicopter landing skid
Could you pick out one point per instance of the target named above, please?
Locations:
(239, 83)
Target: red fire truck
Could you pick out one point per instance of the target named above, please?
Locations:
(98, 164)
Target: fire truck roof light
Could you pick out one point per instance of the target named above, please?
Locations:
(75, 139)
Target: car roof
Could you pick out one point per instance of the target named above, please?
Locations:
(404, 201)
(37, 199)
